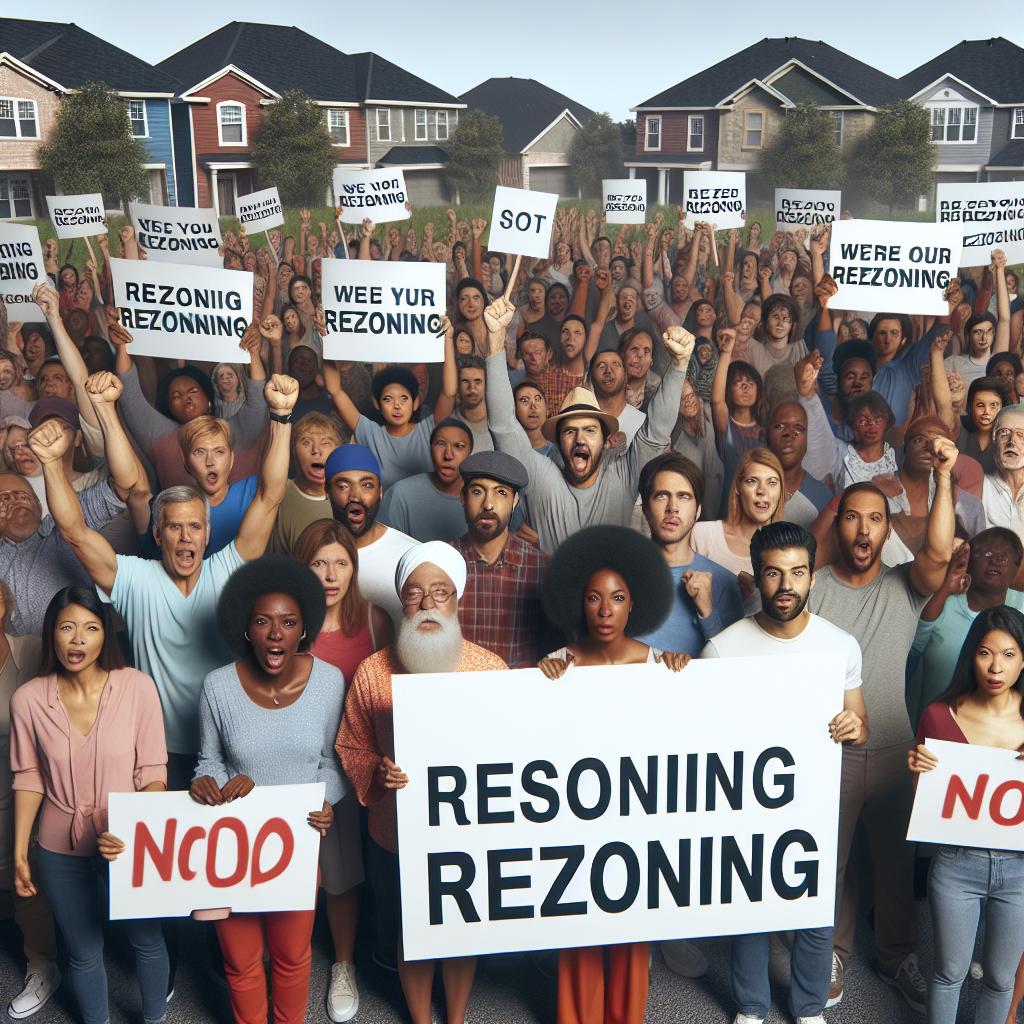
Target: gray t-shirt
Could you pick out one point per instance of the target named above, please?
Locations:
(416, 507)
(399, 457)
(882, 617)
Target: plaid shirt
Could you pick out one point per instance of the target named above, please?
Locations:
(556, 383)
(500, 608)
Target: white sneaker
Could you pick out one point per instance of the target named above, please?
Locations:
(684, 958)
(745, 1018)
(342, 995)
(40, 985)
(811, 1020)
(977, 971)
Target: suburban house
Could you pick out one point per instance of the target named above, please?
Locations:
(41, 61)
(378, 114)
(721, 118)
(974, 94)
(537, 126)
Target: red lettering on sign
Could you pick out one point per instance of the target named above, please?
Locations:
(188, 840)
(278, 827)
(996, 805)
(242, 853)
(971, 801)
(163, 857)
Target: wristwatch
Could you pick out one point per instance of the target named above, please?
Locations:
(278, 418)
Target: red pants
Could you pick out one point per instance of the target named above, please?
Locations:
(288, 935)
(588, 993)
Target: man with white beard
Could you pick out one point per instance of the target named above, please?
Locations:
(429, 580)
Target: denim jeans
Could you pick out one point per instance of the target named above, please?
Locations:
(964, 882)
(77, 887)
(810, 970)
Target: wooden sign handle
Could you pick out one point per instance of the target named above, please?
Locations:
(512, 278)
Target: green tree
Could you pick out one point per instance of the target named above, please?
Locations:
(596, 153)
(474, 155)
(92, 149)
(294, 151)
(804, 153)
(894, 161)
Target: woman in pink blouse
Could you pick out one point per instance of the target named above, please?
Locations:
(85, 727)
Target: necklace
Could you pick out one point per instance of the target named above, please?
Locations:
(273, 697)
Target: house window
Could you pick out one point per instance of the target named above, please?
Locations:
(421, 125)
(653, 134)
(837, 126)
(1018, 124)
(15, 197)
(695, 131)
(383, 124)
(337, 125)
(18, 119)
(753, 132)
(137, 118)
(955, 123)
(441, 124)
(231, 124)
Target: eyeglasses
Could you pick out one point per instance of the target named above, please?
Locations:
(439, 593)
(1005, 433)
(867, 420)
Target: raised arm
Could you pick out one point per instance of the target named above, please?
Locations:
(941, 394)
(1002, 340)
(930, 563)
(126, 472)
(365, 237)
(719, 406)
(604, 307)
(444, 406)
(344, 406)
(733, 303)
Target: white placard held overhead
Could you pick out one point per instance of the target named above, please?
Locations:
(377, 311)
(257, 854)
(990, 215)
(77, 216)
(196, 313)
(893, 266)
(378, 194)
(715, 197)
(806, 207)
(625, 200)
(516, 832)
(21, 269)
(178, 234)
(521, 222)
(260, 211)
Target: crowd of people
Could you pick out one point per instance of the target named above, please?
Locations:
(647, 448)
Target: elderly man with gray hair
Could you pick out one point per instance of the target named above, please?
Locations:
(1002, 493)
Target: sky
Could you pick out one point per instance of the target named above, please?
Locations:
(590, 51)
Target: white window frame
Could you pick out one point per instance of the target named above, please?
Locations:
(7, 180)
(691, 120)
(386, 125)
(331, 111)
(946, 110)
(838, 125)
(416, 115)
(747, 115)
(650, 121)
(145, 118)
(1017, 124)
(441, 133)
(15, 101)
(223, 105)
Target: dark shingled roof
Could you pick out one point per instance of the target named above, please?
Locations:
(405, 156)
(284, 58)
(1011, 155)
(523, 106)
(709, 87)
(994, 67)
(71, 57)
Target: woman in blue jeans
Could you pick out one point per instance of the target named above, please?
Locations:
(983, 705)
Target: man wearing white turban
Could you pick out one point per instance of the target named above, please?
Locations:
(429, 581)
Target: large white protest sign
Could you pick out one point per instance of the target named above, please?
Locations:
(77, 216)
(21, 269)
(383, 312)
(260, 211)
(178, 234)
(974, 797)
(716, 197)
(377, 194)
(521, 222)
(625, 200)
(254, 855)
(990, 215)
(183, 312)
(547, 815)
(895, 266)
(806, 207)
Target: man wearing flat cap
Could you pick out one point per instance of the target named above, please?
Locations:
(500, 608)
(429, 581)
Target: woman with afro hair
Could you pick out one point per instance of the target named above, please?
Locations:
(603, 585)
(270, 719)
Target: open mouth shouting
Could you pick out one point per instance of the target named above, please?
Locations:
(275, 658)
(317, 472)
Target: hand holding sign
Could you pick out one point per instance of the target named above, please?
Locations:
(391, 775)
(921, 759)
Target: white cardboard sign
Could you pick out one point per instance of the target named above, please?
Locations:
(806, 207)
(521, 222)
(21, 269)
(379, 194)
(625, 200)
(260, 211)
(895, 266)
(383, 312)
(716, 197)
(254, 855)
(197, 313)
(990, 215)
(548, 815)
(77, 216)
(974, 797)
(178, 234)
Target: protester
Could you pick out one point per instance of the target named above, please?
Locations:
(1003, 490)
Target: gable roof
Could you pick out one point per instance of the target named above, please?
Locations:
(865, 85)
(525, 108)
(69, 56)
(992, 67)
(283, 57)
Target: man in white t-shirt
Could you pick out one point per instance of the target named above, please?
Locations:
(782, 555)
